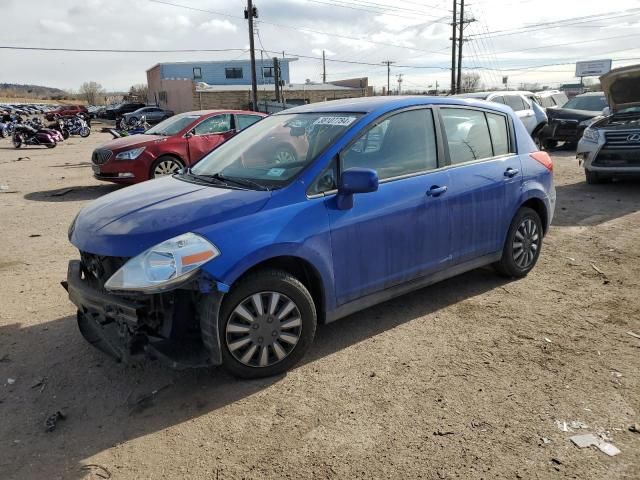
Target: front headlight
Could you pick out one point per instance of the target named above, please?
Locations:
(130, 154)
(164, 266)
(591, 134)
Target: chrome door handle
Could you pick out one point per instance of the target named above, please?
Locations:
(436, 191)
(511, 172)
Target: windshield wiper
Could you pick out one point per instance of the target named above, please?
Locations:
(243, 182)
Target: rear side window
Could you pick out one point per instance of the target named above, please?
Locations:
(402, 144)
(499, 133)
(216, 124)
(245, 120)
(467, 134)
(498, 100)
(515, 102)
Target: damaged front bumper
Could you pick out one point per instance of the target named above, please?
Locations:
(607, 158)
(163, 326)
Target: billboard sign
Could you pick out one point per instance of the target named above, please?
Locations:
(593, 68)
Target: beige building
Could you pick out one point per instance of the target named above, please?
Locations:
(183, 94)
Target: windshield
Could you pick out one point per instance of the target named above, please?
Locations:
(172, 125)
(592, 103)
(272, 151)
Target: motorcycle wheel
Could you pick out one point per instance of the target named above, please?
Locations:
(65, 133)
(51, 145)
(17, 141)
(85, 132)
(3, 132)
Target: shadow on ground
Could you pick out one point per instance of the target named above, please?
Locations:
(72, 194)
(107, 404)
(581, 204)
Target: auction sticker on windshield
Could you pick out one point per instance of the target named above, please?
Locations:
(337, 121)
(276, 172)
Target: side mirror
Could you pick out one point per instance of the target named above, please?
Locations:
(355, 180)
(189, 134)
(606, 111)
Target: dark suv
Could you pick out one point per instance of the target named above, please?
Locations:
(123, 108)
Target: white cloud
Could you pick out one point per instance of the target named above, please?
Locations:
(216, 26)
(177, 21)
(56, 26)
(327, 52)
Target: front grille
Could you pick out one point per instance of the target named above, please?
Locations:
(98, 269)
(101, 156)
(623, 139)
(618, 157)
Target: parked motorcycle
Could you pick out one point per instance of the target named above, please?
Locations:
(77, 125)
(124, 129)
(24, 134)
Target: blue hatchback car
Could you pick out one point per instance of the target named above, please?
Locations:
(235, 261)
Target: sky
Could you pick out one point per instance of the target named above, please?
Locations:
(508, 38)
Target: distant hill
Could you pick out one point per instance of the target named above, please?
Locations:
(31, 91)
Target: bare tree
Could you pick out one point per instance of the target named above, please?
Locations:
(470, 82)
(91, 92)
(139, 92)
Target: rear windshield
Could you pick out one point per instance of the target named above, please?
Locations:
(591, 103)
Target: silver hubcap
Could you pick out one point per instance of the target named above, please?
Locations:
(284, 156)
(166, 167)
(526, 243)
(263, 329)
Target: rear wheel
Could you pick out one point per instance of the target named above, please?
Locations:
(523, 245)
(17, 141)
(51, 145)
(165, 165)
(549, 144)
(266, 325)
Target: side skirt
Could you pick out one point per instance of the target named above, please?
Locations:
(398, 290)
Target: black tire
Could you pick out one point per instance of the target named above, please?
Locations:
(51, 145)
(17, 141)
(164, 159)
(549, 144)
(592, 178)
(510, 264)
(289, 288)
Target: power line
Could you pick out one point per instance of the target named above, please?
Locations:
(381, 11)
(301, 29)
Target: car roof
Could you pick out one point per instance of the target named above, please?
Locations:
(383, 104)
(209, 112)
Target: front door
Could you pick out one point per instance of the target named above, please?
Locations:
(401, 231)
(208, 134)
(485, 179)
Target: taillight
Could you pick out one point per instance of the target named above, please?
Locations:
(544, 159)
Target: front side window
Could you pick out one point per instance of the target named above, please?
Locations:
(275, 149)
(401, 144)
(467, 134)
(215, 124)
(233, 72)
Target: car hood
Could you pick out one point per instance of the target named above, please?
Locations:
(133, 141)
(127, 222)
(622, 87)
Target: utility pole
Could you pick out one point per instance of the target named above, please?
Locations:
(460, 42)
(399, 84)
(388, 64)
(276, 77)
(250, 13)
(453, 47)
(324, 69)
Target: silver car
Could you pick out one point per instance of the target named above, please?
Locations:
(610, 147)
(151, 114)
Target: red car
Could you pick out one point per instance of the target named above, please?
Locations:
(66, 110)
(174, 143)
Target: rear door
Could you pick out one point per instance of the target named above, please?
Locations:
(523, 110)
(485, 179)
(208, 134)
(402, 230)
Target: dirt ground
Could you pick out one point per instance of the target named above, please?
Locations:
(465, 379)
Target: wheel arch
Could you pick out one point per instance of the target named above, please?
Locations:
(300, 268)
(165, 154)
(537, 205)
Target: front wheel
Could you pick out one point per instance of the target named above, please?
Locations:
(17, 141)
(523, 245)
(85, 132)
(165, 165)
(266, 325)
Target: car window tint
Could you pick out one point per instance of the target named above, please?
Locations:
(499, 133)
(467, 134)
(245, 120)
(515, 102)
(326, 181)
(215, 124)
(402, 144)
